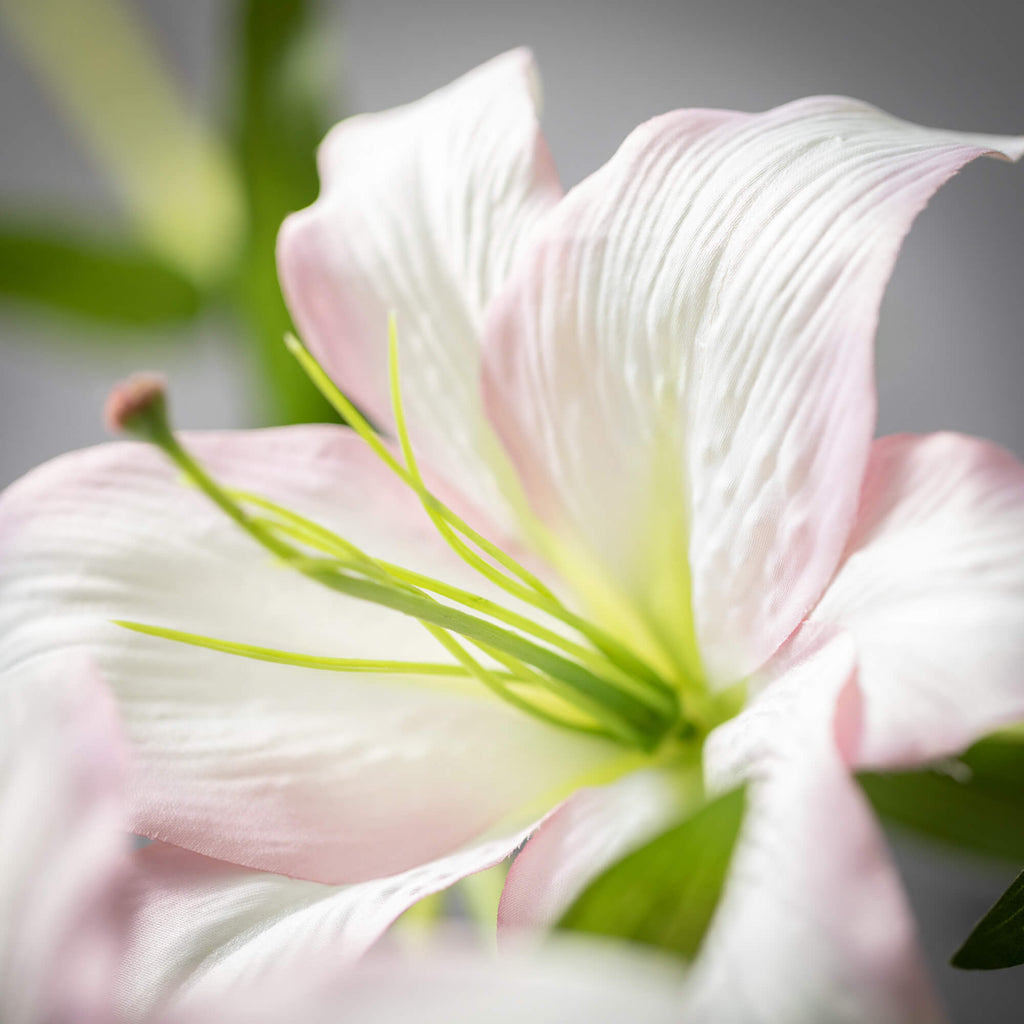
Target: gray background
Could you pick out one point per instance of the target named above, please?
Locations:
(950, 352)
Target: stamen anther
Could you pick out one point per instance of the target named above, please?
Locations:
(138, 406)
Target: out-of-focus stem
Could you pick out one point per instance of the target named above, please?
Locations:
(105, 72)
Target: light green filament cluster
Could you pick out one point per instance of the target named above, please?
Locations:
(592, 683)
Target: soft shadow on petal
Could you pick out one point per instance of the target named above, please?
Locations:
(336, 777)
(813, 927)
(455, 982)
(423, 211)
(592, 830)
(207, 931)
(932, 589)
(681, 370)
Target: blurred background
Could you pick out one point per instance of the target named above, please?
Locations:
(151, 148)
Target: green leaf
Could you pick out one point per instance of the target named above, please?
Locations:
(976, 802)
(998, 939)
(104, 68)
(91, 278)
(279, 121)
(998, 762)
(665, 893)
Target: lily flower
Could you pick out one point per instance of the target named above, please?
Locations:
(630, 537)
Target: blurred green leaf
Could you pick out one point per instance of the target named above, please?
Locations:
(998, 939)
(976, 802)
(91, 278)
(998, 762)
(103, 66)
(665, 893)
(280, 120)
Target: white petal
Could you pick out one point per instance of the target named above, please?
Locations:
(331, 776)
(681, 370)
(453, 983)
(932, 589)
(63, 851)
(423, 211)
(592, 830)
(813, 927)
(206, 931)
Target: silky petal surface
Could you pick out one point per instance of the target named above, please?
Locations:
(592, 830)
(593, 982)
(423, 211)
(63, 853)
(932, 589)
(207, 931)
(455, 983)
(813, 927)
(682, 369)
(336, 777)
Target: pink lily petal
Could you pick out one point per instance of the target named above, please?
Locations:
(932, 590)
(813, 925)
(423, 211)
(682, 369)
(63, 852)
(209, 932)
(592, 830)
(337, 777)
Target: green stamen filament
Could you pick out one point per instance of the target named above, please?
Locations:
(312, 533)
(497, 686)
(498, 682)
(309, 532)
(463, 550)
(551, 603)
(358, 423)
(616, 693)
(544, 599)
(272, 654)
(629, 721)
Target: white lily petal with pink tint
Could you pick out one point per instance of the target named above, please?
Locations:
(932, 589)
(181, 938)
(571, 981)
(63, 854)
(423, 211)
(331, 776)
(813, 927)
(205, 930)
(592, 830)
(457, 982)
(682, 368)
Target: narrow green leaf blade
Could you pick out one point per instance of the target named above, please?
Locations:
(998, 939)
(665, 893)
(91, 278)
(978, 804)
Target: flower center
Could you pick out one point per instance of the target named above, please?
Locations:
(576, 676)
